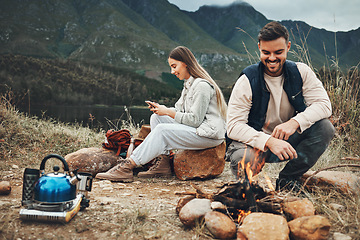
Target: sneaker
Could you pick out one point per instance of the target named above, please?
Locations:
(123, 172)
(161, 168)
(289, 184)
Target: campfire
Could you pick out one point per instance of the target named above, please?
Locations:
(246, 196)
(240, 207)
(242, 198)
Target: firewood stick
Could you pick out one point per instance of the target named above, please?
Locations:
(192, 193)
(201, 193)
(232, 203)
(269, 207)
(350, 158)
(5, 188)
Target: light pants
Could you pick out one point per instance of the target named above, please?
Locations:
(166, 135)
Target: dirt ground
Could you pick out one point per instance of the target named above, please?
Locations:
(143, 209)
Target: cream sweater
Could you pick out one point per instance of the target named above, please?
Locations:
(197, 107)
(279, 108)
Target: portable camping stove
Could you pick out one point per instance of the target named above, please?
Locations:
(54, 197)
(54, 212)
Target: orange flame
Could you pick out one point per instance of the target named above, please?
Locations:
(268, 181)
(253, 166)
(242, 162)
(242, 214)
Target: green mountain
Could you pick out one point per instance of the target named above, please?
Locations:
(234, 26)
(237, 25)
(137, 35)
(93, 31)
(63, 82)
(128, 34)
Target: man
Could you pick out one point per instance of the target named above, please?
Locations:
(278, 110)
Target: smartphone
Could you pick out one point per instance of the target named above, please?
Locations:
(150, 104)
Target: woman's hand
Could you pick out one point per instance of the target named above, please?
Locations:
(162, 110)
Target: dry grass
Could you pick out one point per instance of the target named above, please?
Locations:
(343, 88)
(26, 140)
(346, 219)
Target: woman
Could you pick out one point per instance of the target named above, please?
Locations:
(196, 122)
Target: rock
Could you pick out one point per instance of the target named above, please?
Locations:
(299, 208)
(194, 211)
(346, 182)
(311, 227)
(105, 200)
(103, 183)
(263, 226)
(92, 160)
(5, 187)
(340, 236)
(81, 227)
(10, 175)
(190, 164)
(107, 189)
(182, 202)
(218, 206)
(165, 190)
(337, 207)
(220, 225)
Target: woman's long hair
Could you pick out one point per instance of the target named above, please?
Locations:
(183, 54)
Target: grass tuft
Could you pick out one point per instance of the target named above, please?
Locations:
(27, 140)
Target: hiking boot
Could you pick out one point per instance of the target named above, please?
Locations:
(289, 184)
(161, 168)
(123, 172)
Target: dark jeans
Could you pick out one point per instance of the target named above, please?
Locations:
(309, 146)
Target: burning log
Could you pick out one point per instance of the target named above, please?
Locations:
(198, 193)
(241, 196)
(236, 197)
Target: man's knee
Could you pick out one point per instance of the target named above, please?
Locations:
(326, 129)
(236, 153)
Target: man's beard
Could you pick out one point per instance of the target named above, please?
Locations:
(278, 66)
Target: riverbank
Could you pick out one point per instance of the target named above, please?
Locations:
(96, 117)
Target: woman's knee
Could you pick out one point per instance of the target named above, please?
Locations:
(162, 129)
(154, 120)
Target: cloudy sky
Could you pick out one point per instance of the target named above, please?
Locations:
(333, 15)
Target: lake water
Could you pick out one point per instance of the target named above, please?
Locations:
(92, 116)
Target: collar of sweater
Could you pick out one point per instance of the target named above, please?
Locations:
(188, 82)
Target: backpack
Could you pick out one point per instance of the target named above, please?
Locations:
(119, 141)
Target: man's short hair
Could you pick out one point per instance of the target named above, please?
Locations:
(272, 31)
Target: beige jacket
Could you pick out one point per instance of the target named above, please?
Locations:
(279, 108)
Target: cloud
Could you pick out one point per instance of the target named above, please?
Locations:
(333, 15)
